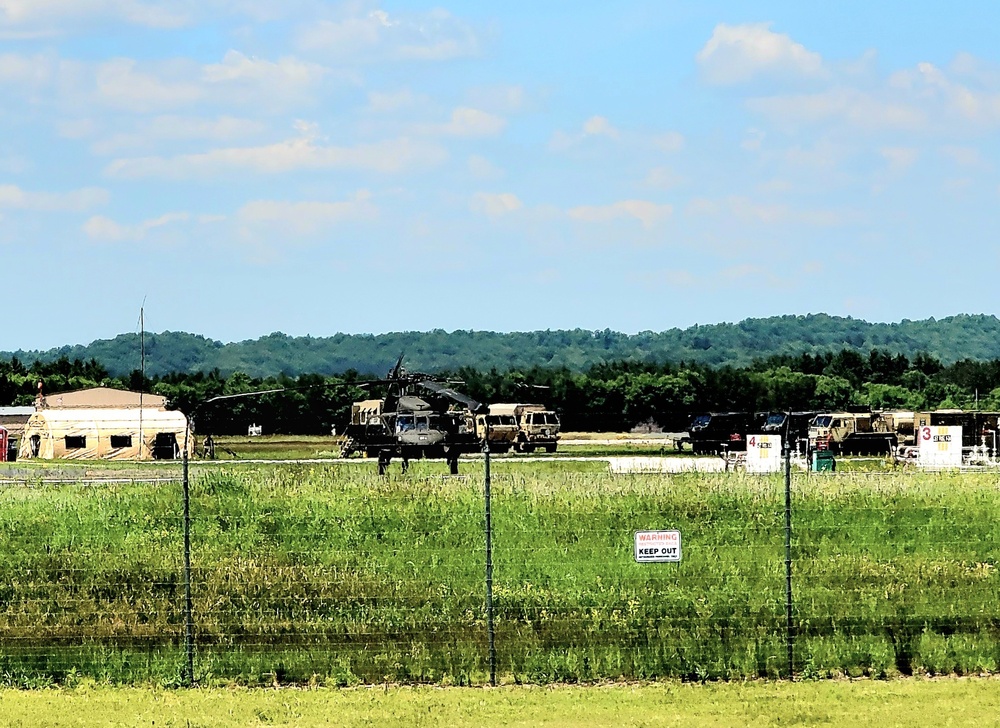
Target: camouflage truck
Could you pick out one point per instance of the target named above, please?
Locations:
(500, 429)
(860, 433)
(537, 426)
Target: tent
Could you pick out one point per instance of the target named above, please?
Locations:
(104, 433)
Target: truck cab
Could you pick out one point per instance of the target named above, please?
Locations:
(500, 430)
(537, 426)
(852, 433)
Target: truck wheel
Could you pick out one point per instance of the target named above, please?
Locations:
(529, 448)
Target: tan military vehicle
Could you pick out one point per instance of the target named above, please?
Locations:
(537, 426)
(861, 433)
(500, 429)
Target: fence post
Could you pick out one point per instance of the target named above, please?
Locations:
(789, 626)
(489, 560)
(188, 606)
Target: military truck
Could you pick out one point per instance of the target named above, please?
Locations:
(500, 430)
(860, 433)
(365, 426)
(537, 426)
(716, 433)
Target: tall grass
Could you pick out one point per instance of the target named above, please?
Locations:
(330, 573)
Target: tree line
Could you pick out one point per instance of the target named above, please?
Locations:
(578, 350)
(616, 396)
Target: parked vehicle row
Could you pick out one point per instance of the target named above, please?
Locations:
(866, 432)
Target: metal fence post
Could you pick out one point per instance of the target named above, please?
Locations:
(789, 626)
(188, 606)
(489, 560)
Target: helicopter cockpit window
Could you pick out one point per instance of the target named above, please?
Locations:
(422, 424)
(404, 423)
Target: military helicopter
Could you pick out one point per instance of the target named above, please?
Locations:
(437, 424)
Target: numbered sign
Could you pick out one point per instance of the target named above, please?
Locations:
(939, 447)
(763, 453)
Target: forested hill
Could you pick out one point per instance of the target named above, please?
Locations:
(948, 339)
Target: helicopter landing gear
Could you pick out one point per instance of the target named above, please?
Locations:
(406, 464)
(453, 466)
(383, 462)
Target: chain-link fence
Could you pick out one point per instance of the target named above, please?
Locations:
(331, 574)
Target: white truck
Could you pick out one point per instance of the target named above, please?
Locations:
(537, 426)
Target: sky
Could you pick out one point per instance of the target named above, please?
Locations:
(239, 167)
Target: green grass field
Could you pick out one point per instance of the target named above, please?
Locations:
(309, 447)
(910, 702)
(330, 575)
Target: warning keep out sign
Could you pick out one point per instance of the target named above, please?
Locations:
(651, 546)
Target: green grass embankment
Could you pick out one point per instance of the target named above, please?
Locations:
(329, 573)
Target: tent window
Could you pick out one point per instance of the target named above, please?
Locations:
(121, 441)
(75, 442)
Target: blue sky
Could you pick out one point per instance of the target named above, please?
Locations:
(250, 166)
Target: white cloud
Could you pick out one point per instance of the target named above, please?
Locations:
(482, 168)
(737, 53)
(663, 178)
(843, 105)
(823, 155)
(104, 229)
(13, 197)
(595, 126)
(349, 36)
(281, 74)
(169, 85)
(386, 102)
(302, 219)
(395, 155)
(432, 36)
(753, 141)
(648, 213)
(178, 128)
(599, 126)
(468, 122)
(670, 141)
(500, 99)
(936, 88)
(76, 128)
(963, 156)
(120, 84)
(899, 158)
(744, 210)
(29, 70)
(495, 205)
(47, 16)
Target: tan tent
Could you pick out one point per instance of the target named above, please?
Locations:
(107, 433)
(101, 398)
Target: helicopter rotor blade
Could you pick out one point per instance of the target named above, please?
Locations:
(444, 391)
(396, 370)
